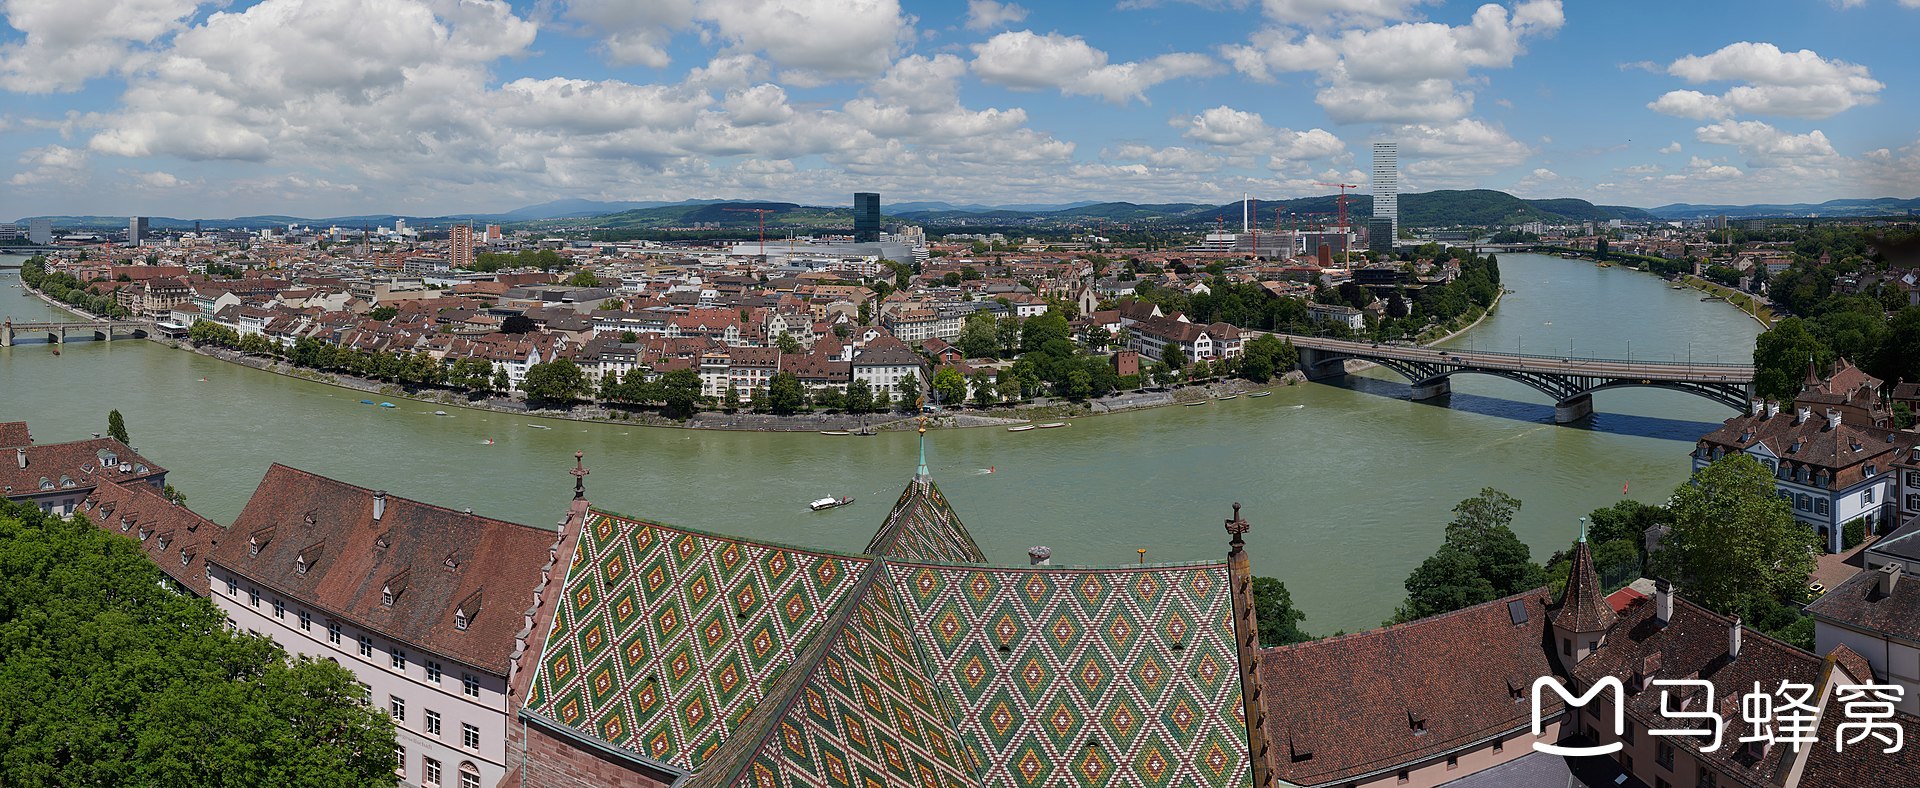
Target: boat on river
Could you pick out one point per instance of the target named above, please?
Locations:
(835, 432)
(1196, 404)
(441, 413)
(540, 426)
(1260, 394)
(1020, 428)
(1228, 397)
(388, 405)
(1053, 425)
(366, 402)
(830, 502)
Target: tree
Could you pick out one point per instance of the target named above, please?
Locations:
(384, 313)
(628, 337)
(859, 398)
(117, 427)
(1173, 358)
(950, 387)
(1279, 619)
(583, 278)
(1734, 542)
(1480, 561)
(984, 390)
(980, 336)
(1600, 248)
(731, 400)
(908, 388)
(680, 390)
(111, 679)
(1780, 358)
(785, 395)
(788, 344)
(1037, 331)
(559, 381)
(501, 382)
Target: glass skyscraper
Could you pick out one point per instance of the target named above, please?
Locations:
(866, 217)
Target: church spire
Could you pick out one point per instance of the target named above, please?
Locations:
(922, 525)
(921, 472)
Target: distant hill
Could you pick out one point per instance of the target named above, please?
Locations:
(1878, 206)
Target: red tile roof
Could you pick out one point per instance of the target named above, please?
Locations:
(83, 463)
(436, 560)
(14, 433)
(1583, 608)
(177, 539)
(1346, 706)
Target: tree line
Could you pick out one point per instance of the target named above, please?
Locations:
(63, 287)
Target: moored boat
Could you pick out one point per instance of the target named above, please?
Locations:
(388, 405)
(1053, 424)
(830, 502)
(1260, 394)
(1020, 428)
(441, 413)
(1196, 404)
(835, 432)
(1227, 397)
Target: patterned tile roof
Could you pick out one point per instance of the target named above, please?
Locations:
(1076, 676)
(750, 663)
(923, 527)
(668, 638)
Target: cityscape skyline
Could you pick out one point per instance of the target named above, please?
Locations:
(183, 108)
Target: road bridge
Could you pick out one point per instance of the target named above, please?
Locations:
(12, 333)
(1570, 381)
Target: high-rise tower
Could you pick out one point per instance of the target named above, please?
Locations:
(460, 245)
(1386, 183)
(866, 217)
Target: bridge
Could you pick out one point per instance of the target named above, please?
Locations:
(1570, 381)
(12, 333)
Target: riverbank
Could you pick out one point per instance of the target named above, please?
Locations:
(1745, 302)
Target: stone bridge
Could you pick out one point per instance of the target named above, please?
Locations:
(12, 333)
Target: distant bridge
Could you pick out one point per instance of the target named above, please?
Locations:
(12, 333)
(1568, 380)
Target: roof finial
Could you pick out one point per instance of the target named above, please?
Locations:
(579, 476)
(922, 470)
(1236, 527)
(1583, 529)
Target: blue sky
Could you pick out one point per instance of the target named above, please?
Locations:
(329, 107)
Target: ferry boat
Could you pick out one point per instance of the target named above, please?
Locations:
(835, 432)
(1020, 428)
(1051, 425)
(830, 502)
(1260, 394)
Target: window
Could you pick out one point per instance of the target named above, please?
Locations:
(253, 597)
(1820, 505)
(1866, 496)
(279, 609)
(1499, 744)
(306, 621)
(333, 632)
(1402, 777)
(433, 722)
(1805, 504)
(433, 671)
(1566, 646)
(396, 708)
(1661, 782)
(1453, 762)
(1626, 763)
(429, 771)
(1663, 754)
(366, 647)
(233, 587)
(1707, 779)
(366, 692)
(469, 736)
(1626, 733)
(470, 685)
(469, 776)
(399, 656)
(399, 761)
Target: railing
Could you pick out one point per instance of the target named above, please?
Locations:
(1369, 348)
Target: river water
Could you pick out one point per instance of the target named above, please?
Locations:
(1347, 486)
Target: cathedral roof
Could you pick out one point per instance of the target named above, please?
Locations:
(922, 526)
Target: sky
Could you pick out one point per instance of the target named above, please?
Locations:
(444, 107)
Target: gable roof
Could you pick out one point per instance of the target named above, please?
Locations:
(436, 561)
(173, 536)
(922, 526)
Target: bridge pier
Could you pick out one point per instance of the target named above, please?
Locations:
(6, 334)
(1572, 410)
(1432, 389)
(1311, 363)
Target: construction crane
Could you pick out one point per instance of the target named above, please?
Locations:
(1346, 240)
(763, 223)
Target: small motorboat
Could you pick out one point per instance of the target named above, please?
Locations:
(1228, 397)
(441, 413)
(487, 442)
(203, 380)
(1260, 394)
(366, 402)
(1053, 424)
(835, 432)
(1196, 404)
(830, 502)
(540, 426)
(388, 405)
(1020, 428)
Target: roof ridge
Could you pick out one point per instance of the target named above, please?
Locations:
(391, 497)
(1523, 595)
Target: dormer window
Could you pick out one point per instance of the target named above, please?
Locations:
(451, 562)
(386, 596)
(1417, 721)
(1873, 470)
(144, 533)
(300, 565)
(460, 621)
(186, 557)
(163, 541)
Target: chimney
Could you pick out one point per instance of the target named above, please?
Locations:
(20, 456)
(1773, 409)
(1801, 414)
(1758, 407)
(1889, 576)
(1833, 419)
(1040, 556)
(1662, 602)
(379, 504)
(1733, 640)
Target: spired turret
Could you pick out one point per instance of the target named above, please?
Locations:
(922, 526)
(1584, 616)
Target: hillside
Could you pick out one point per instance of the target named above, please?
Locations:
(1879, 206)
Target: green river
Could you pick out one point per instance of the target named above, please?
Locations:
(1347, 486)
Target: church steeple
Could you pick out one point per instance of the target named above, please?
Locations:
(922, 525)
(1584, 615)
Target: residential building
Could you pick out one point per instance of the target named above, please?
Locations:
(1830, 471)
(1876, 613)
(460, 245)
(1339, 314)
(40, 231)
(57, 477)
(1151, 337)
(425, 605)
(885, 363)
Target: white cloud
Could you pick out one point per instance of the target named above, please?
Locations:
(1797, 84)
(1766, 146)
(1327, 13)
(814, 40)
(1226, 127)
(51, 165)
(1671, 147)
(633, 32)
(1024, 60)
(1458, 153)
(67, 42)
(1407, 72)
(984, 15)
